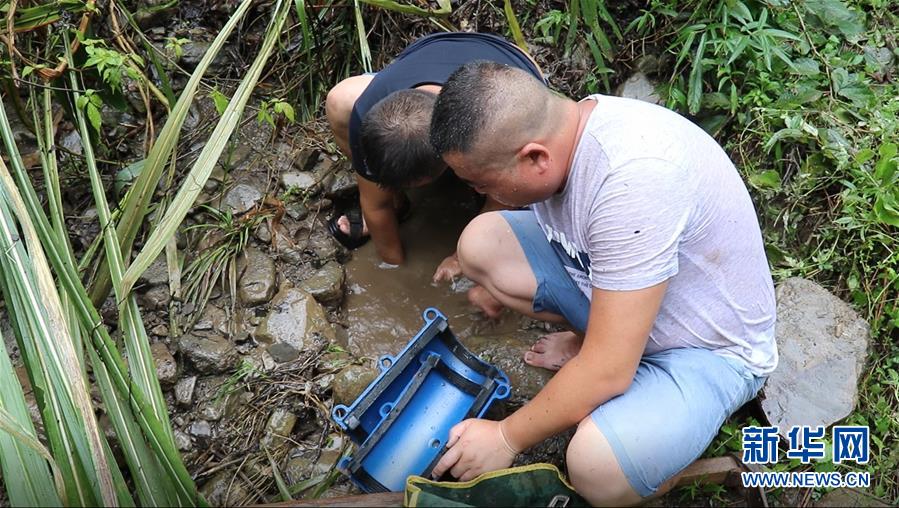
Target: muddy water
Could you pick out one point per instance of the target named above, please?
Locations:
(384, 305)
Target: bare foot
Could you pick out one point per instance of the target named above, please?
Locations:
(553, 350)
(482, 299)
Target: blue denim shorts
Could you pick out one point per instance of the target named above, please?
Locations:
(679, 397)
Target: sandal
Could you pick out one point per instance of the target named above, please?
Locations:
(355, 238)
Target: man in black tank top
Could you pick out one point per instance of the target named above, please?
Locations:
(381, 122)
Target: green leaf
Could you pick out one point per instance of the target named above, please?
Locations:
(886, 209)
(885, 168)
(93, 114)
(835, 14)
(806, 67)
(766, 180)
(220, 100)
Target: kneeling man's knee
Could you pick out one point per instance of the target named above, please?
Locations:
(477, 242)
(594, 470)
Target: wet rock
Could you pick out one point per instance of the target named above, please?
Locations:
(71, 142)
(277, 430)
(218, 406)
(156, 274)
(182, 440)
(344, 184)
(299, 181)
(322, 244)
(166, 368)
(257, 284)
(295, 319)
(241, 198)
(261, 360)
(639, 87)
(192, 52)
(215, 319)
(209, 353)
(823, 345)
(296, 210)
(283, 353)
(351, 381)
(201, 429)
(507, 352)
(326, 285)
(160, 331)
(184, 390)
(225, 489)
(263, 233)
(156, 298)
(310, 463)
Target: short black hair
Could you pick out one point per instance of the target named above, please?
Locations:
(395, 139)
(481, 98)
(460, 112)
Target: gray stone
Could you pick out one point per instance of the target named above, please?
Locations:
(166, 368)
(184, 390)
(225, 489)
(295, 319)
(213, 318)
(283, 353)
(264, 233)
(277, 430)
(216, 406)
(303, 463)
(299, 181)
(639, 87)
(322, 244)
(326, 285)
(242, 198)
(182, 440)
(156, 298)
(209, 353)
(257, 283)
(823, 345)
(160, 331)
(156, 274)
(351, 381)
(344, 183)
(507, 353)
(71, 142)
(201, 429)
(192, 52)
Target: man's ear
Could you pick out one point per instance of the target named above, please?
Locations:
(536, 155)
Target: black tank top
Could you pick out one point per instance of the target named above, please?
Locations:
(429, 61)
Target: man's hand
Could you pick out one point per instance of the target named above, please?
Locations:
(448, 270)
(475, 447)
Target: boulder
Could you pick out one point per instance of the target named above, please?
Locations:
(326, 285)
(277, 430)
(241, 198)
(208, 353)
(295, 319)
(258, 279)
(225, 489)
(351, 381)
(166, 367)
(639, 87)
(823, 345)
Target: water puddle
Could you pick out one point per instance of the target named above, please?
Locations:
(384, 305)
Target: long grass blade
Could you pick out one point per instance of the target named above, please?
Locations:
(199, 173)
(137, 203)
(89, 318)
(24, 459)
(364, 50)
(443, 9)
(517, 36)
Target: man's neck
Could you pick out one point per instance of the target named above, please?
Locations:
(576, 115)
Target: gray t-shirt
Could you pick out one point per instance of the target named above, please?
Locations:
(651, 197)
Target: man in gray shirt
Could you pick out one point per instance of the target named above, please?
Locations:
(642, 238)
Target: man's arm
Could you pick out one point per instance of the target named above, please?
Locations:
(617, 331)
(377, 204)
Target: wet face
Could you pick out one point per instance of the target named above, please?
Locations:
(518, 184)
